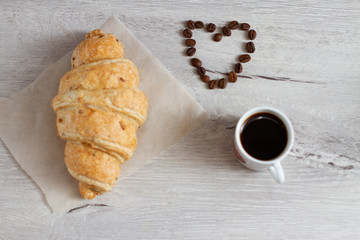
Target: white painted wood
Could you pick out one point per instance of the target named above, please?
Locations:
(196, 189)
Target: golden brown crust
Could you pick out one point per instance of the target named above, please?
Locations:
(92, 164)
(96, 46)
(129, 102)
(107, 74)
(108, 130)
(87, 191)
(99, 109)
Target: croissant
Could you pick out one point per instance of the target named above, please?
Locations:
(99, 109)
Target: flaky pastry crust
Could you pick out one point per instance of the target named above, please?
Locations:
(99, 109)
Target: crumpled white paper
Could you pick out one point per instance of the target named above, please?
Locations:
(28, 123)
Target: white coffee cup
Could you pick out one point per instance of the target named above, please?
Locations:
(273, 165)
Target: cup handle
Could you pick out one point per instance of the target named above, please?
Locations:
(278, 173)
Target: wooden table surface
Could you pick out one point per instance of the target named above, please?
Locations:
(306, 63)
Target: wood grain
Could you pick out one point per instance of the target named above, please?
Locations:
(306, 64)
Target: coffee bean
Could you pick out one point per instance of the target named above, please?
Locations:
(211, 27)
(238, 68)
(205, 78)
(226, 31)
(217, 37)
(252, 34)
(250, 47)
(244, 58)
(191, 51)
(187, 33)
(199, 24)
(222, 83)
(195, 62)
(201, 71)
(233, 25)
(232, 77)
(245, 26)
(190, 42)
(213, 84)
(190, 24)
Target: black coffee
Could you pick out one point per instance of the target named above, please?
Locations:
(263, 136)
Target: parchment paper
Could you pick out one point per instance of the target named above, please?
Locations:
(28, 123)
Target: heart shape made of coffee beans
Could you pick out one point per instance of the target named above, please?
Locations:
(225, 31)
